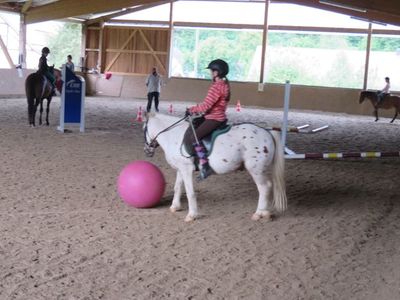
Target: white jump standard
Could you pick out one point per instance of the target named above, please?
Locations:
(289, 154)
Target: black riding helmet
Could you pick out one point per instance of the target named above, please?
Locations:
(45, 50)
(220, 66)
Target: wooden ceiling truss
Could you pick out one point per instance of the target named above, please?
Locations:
(387, 11)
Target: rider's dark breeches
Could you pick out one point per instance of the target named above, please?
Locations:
(204, 129)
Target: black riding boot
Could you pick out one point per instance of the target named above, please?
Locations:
(205, 169)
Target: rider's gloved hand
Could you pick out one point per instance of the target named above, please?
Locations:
(187, 112)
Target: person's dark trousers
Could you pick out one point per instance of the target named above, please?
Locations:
(150, 97)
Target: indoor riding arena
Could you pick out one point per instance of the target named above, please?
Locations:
(66, 233)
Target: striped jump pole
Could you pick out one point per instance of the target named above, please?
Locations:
(342, 155)
(299, 129)
(289, 129)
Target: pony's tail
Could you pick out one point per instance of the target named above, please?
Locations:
(278, 174)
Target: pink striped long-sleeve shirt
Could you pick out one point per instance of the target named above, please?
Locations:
(216, 102)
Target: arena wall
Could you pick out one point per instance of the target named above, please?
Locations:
(336, 100)
(11, 84)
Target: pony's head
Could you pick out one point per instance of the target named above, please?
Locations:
(372, 95)
(150, 143)
(156, 124)
(362, 97)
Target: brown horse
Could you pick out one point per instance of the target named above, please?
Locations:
(389, 101)
(38, 88)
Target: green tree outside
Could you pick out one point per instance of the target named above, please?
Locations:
(66, 42)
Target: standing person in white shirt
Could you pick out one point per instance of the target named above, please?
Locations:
(386, 90)
(153, 83)
(69, 64)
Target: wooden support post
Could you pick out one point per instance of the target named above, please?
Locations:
(82, 59)
(22, 42)
(367, 54)
(264, 41)
(170, 39)
(100, 55)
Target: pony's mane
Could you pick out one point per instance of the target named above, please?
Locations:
(164, 117)
(368, 92)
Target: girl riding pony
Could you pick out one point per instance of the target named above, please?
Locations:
(214, 109)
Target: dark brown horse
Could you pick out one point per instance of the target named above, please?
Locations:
(389, 101)
(38, 88)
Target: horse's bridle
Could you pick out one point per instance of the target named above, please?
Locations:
(150, 147)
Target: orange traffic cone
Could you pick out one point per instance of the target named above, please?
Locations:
(238, 106)
(139, 115)
(170, 109)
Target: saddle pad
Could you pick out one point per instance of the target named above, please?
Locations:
(208, 141)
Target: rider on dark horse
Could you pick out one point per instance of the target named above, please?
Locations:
(214, 109)
(45, 69)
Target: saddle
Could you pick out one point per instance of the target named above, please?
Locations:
(208, 141)
(381, 96)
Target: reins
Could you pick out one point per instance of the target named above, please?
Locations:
(152, 143)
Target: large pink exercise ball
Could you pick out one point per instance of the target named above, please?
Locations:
(141, 184)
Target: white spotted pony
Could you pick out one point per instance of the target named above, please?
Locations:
(245, 144)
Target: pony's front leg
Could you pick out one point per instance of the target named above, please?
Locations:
(176, 202)
(192, 201)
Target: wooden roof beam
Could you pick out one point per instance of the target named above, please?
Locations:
(387, 6)
(125, 12)
(72, 8)
(26, 6)
(369, 15)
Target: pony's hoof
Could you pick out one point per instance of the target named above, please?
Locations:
(262, 214)
(174, 209)
(190, 218)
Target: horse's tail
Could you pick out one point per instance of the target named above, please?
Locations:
(278, 174)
